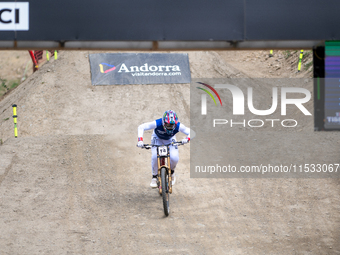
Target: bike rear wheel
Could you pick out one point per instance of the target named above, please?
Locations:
(165, 190)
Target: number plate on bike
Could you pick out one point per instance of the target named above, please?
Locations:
(163, 151)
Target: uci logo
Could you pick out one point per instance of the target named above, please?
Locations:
(14, 16)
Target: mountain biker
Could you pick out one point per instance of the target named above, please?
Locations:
(164, 131)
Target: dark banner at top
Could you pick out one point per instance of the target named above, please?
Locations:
(139, 68)
(185, 20)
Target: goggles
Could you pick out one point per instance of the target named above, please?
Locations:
(169, 126)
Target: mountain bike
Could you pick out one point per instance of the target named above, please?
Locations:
(164, 182)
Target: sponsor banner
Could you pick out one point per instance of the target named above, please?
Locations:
(14, 16)
(139, 68)
(258, 128)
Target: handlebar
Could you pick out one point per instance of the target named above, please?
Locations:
(149, 146)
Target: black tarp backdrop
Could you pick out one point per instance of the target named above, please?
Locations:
(185, 20)
(292, 20)
(133, 20)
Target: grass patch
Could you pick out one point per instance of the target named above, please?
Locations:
(287, 54)
(14, 84)
(307, 53)
(308, 65)
(5, 85)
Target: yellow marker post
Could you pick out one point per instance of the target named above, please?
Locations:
(47, 56)
(271, 53)
(300, 59)
(55, 54)
(15, 120)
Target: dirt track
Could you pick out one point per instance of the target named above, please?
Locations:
(74, 182)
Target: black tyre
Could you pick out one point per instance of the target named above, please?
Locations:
(165, 191)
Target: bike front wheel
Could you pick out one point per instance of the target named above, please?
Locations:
(165, 190)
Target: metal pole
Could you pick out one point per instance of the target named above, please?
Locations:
(35, 63)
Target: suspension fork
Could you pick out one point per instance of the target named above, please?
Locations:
(159, 173)
(169, 172)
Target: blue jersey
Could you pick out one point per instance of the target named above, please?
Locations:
(161, 133)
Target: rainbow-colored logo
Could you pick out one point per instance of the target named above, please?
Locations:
(209, 93)
(108, 70)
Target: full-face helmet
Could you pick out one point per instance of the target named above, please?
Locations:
(169, 121)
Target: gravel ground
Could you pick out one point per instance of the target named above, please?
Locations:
(75, 183)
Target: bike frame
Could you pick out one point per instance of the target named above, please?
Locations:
(163, 161)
